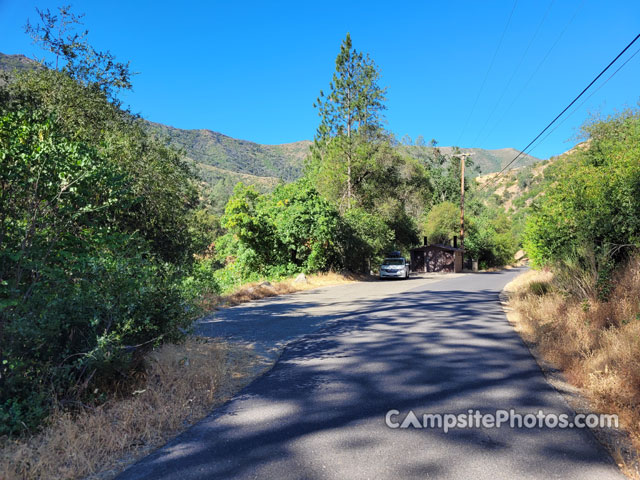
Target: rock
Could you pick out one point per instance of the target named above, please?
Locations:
(265, 284)
(520, 254)
(302, 278)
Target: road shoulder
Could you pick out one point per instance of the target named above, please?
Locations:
(616, 441)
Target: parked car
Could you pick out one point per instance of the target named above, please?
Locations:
(394, 267)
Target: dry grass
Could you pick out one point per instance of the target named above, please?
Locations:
(596, 344)
(256, 291)
(182, 384)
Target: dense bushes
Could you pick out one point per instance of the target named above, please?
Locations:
(294, 229)
(288, 231)
(490, 238)
(366, 237)
(98, 227)
(442, 222)
(489, 235)
(157, 178)
(589, 217)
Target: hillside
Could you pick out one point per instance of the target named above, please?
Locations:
(487, 161)
(286, 161)
(9, 63)
(219, 183)
(283, 161)
(514, 189)
(223, 161)
(517, 188)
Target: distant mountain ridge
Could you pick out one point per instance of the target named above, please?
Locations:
(9, 63)
(286, 161)
(223, 161)
(488, 161)
(207, 147)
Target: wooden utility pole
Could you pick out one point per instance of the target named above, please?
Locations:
(463, 158)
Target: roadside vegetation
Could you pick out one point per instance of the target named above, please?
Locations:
(111, 247)
(181, 384)
(581, 307)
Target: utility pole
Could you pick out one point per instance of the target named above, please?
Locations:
(463, 158)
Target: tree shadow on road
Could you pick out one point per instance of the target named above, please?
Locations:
(320, 412)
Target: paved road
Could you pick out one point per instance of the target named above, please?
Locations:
(429, 346)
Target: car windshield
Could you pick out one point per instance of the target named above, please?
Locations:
(393, 261)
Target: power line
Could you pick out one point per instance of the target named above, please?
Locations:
(537, 69)
(486, 75)
(563, 111)
(522, 57)
(584, 101)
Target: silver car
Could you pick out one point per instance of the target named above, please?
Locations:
(394, 268)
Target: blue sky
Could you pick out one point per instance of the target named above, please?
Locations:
(252, 70)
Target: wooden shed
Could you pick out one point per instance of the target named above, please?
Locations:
(436, 258)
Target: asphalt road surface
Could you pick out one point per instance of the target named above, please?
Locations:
(356, 351)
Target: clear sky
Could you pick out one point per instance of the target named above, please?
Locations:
(252, 70)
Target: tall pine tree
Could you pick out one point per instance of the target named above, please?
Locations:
(351, 121)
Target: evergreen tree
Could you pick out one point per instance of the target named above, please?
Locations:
(351, 116)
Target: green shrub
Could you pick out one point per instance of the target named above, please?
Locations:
(442, 222)
(85, 324)
(589, 218)
(593, 205)
(98, 224)
(81, 295)
(201, 279)
(289, 231)
(365, 239)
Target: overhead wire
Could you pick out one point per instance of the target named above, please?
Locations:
(515, 71)
(583, 102)
(537, 69)
(561, 113)
(486, 75)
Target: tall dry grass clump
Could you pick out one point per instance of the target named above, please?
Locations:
(180, 386)
(595, 342)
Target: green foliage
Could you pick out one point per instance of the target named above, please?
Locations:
(490, 237)
(159, 180)
(355, 166)
(445, 176)
(290, 230)
(201, 279)
(590, 214)
(79, 298)
(442, 222)
(355, 101)
(351, 125)
(306, 225)
(525, 178)
(367, 238)
(99, 224)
